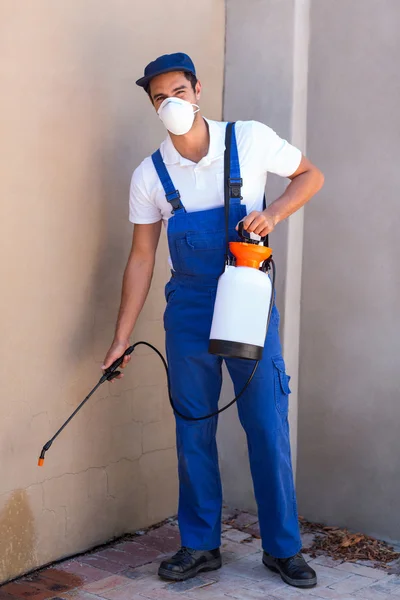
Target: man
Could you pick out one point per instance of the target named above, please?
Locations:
(182, 185)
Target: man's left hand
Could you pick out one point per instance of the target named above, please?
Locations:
(260, 223)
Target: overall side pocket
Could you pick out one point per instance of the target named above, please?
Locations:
(169, 293)
(281, 385)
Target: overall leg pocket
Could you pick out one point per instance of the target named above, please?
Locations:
(281, 385)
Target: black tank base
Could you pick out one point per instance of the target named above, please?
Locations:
(228, 349)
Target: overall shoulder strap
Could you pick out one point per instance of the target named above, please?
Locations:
(232, 180)
(172, 195)
(266, 241)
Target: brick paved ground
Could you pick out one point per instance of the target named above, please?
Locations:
(127, 570)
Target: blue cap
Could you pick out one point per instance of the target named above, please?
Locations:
(165, 64)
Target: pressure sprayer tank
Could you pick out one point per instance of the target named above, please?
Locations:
(241, 310)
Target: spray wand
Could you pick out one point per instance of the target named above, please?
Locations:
(109, 374)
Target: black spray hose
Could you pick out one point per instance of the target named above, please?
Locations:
(186, 417)
(111, 372)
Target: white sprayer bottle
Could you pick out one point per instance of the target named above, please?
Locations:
(242, 303)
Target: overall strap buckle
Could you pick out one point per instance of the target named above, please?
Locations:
(235, 184)
(174, 198)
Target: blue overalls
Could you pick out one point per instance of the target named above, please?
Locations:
(197, 248)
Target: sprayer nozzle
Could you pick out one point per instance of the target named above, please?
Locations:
(43, 452)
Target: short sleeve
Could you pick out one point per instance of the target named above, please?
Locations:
(276, 155)
(142, 210)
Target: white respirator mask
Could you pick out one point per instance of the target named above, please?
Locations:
(177, 115)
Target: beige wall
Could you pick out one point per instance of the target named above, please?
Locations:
(73, 127)
(349, 465)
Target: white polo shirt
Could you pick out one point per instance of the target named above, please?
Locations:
(201, 185)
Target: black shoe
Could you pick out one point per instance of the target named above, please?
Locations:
(293, 570)
(187, 563)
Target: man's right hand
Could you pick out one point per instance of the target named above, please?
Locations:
(117, 349)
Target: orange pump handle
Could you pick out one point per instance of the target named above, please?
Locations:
(249, 255)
